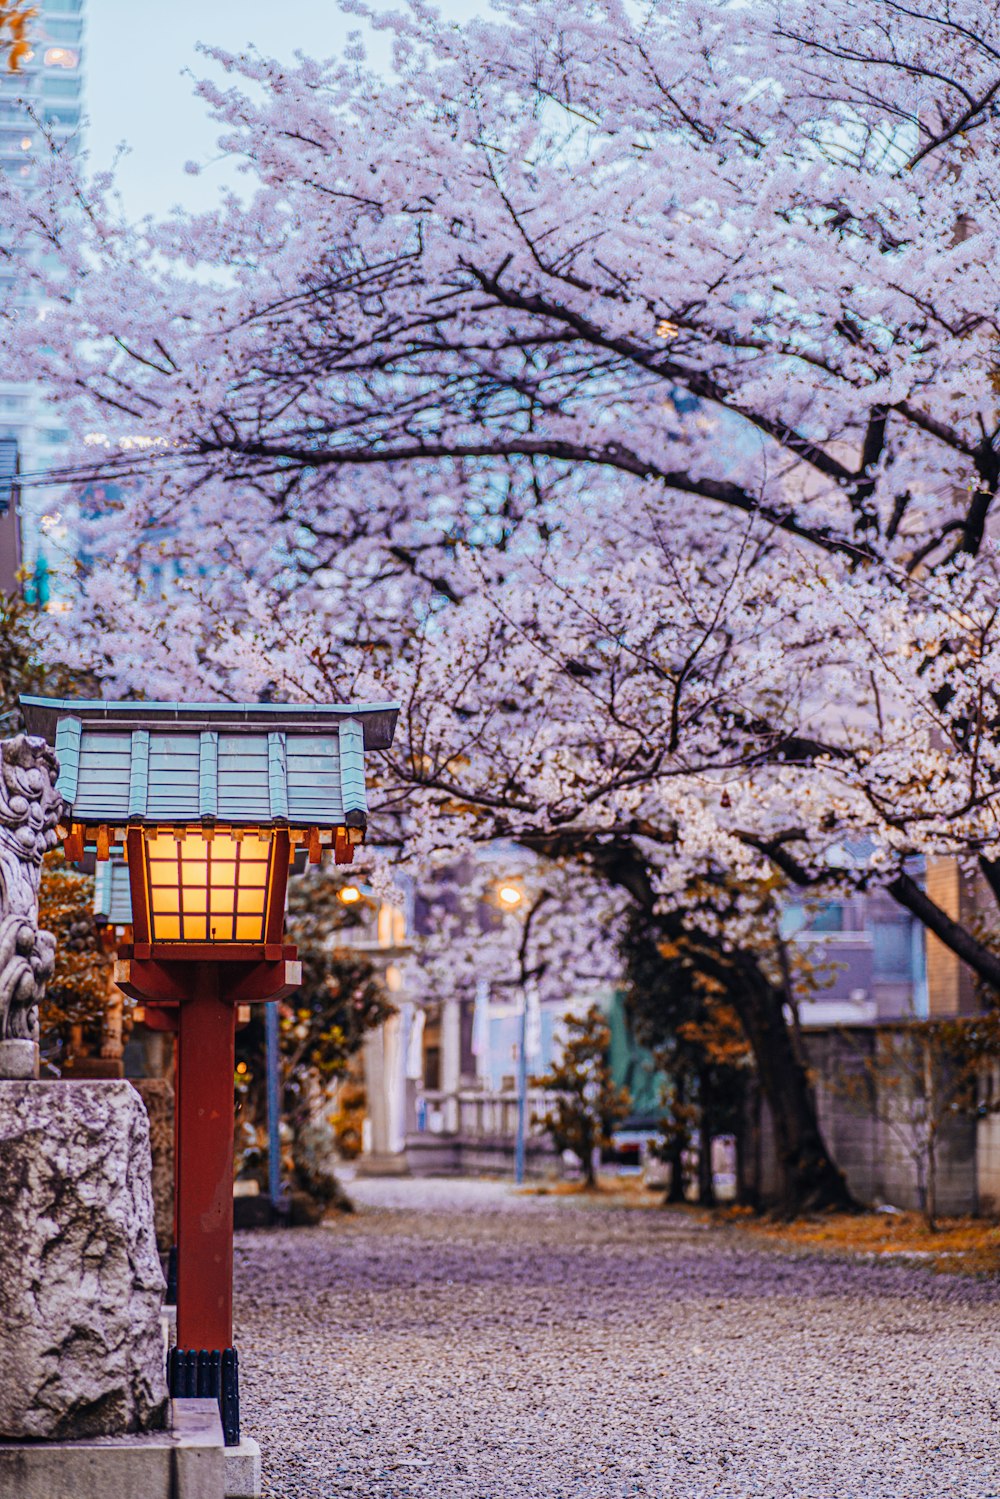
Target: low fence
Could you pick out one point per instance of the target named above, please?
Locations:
(473, 1132)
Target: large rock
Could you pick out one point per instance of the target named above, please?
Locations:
(81, 1351)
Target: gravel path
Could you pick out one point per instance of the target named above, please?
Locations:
(451, 1339)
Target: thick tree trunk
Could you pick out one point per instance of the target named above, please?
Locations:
(706, 1182)
(748, 1163)
(675, 1192)
(811, 1180)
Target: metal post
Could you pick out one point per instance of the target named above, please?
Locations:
(522, 1090)
(206, 1051)
(273, 1056)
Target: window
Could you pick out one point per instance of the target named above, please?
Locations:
(62, 88)
(62, 31)
(62, 117)
(793, 918)
(800, 920)
(892, 955)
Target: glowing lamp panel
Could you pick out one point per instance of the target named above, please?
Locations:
(208, 889)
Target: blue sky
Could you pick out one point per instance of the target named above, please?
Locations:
(137, 55)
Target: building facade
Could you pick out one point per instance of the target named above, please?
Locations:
(40, 108)
(862, 959)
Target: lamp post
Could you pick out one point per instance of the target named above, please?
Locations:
(511, 897)
(210, 802)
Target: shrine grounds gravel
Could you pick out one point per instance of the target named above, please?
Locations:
(455, 1339)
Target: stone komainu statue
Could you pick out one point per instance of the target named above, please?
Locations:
(30, 807)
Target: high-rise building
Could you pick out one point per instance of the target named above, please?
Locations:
(10, 515)
(42, 102)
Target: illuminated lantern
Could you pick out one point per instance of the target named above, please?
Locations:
(210, 802)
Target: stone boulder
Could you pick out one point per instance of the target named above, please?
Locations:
(81, 1349)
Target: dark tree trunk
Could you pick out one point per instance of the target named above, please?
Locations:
(748, 1149)
(811, 1180)
(675, 1192)
(706, 1181)
(590, 1176)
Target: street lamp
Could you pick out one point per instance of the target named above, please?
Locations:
(510, 896)
(210, 801)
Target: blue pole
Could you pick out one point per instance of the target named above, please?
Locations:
(522, 1091)
(273, 1105)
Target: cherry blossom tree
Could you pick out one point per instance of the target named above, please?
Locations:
(614, 382)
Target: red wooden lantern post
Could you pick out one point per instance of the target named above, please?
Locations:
(210, 803)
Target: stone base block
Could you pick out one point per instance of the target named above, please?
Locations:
(185, 1462)
(19, 1060)
(243, 1470)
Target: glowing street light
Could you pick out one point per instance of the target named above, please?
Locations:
(510, 896)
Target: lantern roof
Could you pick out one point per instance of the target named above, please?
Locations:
(243, 764)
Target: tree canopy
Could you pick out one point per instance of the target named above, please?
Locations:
(615, 383)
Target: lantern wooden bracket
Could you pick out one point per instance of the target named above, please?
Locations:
(165, 982)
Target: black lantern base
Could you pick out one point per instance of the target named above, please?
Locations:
(208, 1375)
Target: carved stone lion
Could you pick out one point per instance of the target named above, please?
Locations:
(30, 807)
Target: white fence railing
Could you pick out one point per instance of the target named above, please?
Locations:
(476, 1114)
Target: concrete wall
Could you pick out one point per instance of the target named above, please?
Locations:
(865, 1106)
(950, 984)
(988, 1145)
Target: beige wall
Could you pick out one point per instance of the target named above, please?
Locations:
(950, 987)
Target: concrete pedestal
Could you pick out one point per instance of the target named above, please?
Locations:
(185, 1462)
(243, 1470)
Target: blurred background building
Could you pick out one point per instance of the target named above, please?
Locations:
(40, 107)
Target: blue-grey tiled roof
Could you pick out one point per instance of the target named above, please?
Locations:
(378, 720)
(246, 764)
